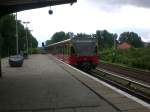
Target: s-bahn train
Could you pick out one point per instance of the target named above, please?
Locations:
(79, 52)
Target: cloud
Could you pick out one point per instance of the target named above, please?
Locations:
(111, 4)
(139, 3)
(87, 16)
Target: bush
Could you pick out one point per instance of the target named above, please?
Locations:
(138, 58)
(34, 50)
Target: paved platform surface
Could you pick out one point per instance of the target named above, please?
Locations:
(46, 85)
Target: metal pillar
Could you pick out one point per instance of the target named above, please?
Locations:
(26, 35)
(0, 68)
(0, 62)
(0, 55)
(17, 50)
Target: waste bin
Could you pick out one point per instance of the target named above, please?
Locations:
(16, 61)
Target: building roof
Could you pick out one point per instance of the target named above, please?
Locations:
(10, 6)
(124, 45)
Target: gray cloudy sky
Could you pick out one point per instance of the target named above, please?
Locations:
(87, 16)
(140, 3)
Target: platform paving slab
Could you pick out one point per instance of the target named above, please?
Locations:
(41, 85)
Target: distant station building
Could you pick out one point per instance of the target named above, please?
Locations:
(124, 45)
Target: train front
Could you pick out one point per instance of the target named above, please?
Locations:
(86, 55)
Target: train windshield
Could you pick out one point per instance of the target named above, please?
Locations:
(85, 48)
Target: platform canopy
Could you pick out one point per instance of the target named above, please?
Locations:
(10, 6)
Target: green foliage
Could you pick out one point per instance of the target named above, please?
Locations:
(34, 42)
(48, 42)
(8, 36)
(82, 35)
(7, 30)
(34, 50)
(57, 37)
(106, 39)
(135, 57)
(131, 38)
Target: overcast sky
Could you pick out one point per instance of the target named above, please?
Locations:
(87, 16)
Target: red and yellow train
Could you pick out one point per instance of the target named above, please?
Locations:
(79, 52)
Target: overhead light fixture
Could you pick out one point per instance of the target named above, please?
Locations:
(50, 11)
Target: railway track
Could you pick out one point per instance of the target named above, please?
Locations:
(132, 87)
(143, 76)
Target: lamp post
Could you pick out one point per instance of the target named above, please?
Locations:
(114, 51)
(115, 37)
(16, 35)
(31, 42)
(102, 37)
(26, 35)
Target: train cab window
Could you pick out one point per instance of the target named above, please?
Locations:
(72, 51)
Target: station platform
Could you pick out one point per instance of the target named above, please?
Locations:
(45, 84)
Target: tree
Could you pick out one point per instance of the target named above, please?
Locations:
(105, 39)
(82, 35)
(8, 35)
(131, 38)
(58, 36)
(34, 43)
(48, 42)
(69, 35)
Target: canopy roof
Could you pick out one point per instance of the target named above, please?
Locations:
(10, 6)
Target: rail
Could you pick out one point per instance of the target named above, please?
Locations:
(133, 87)
(140, 75)
(125, 78)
